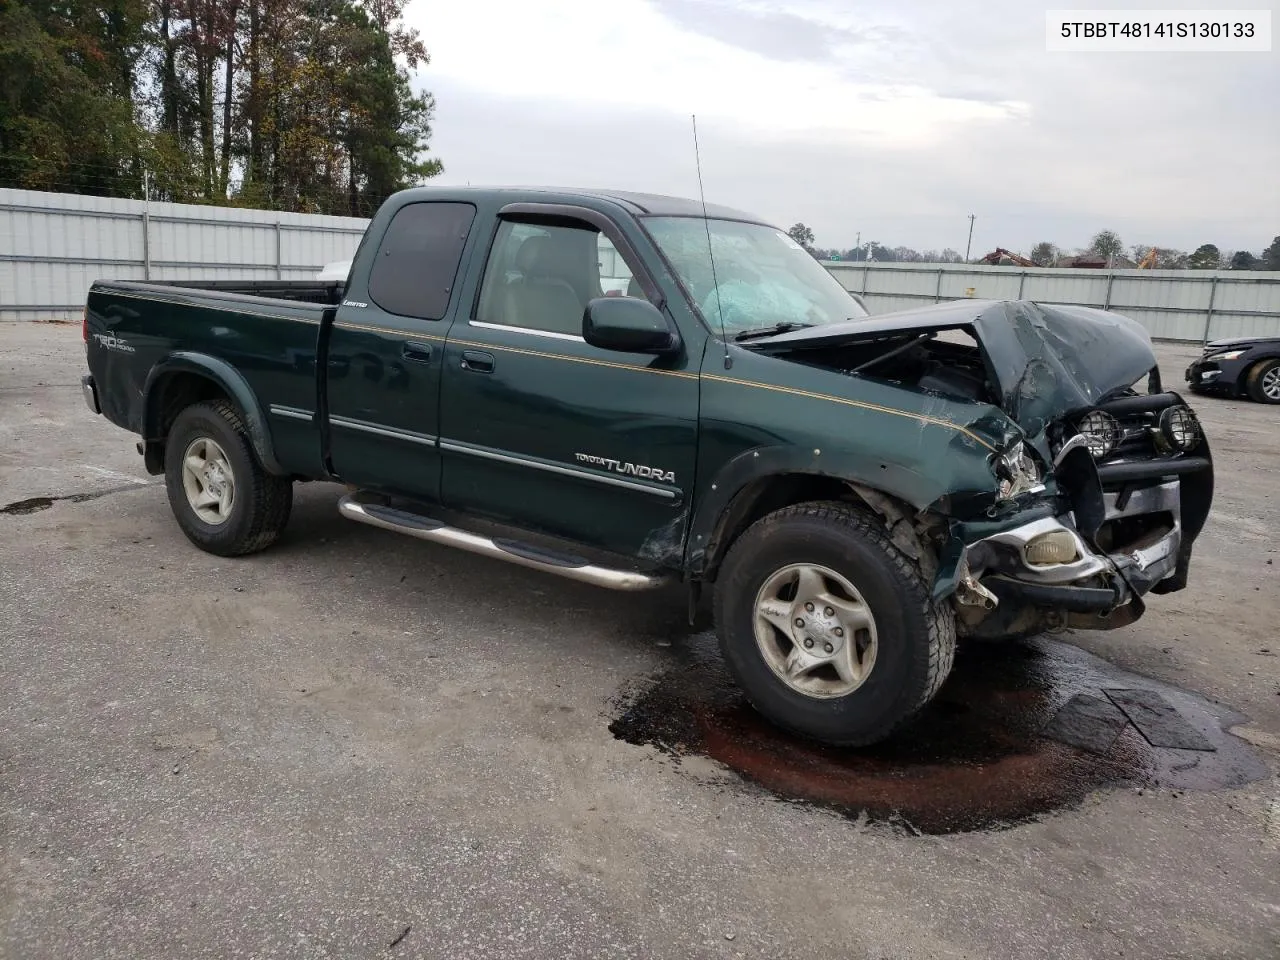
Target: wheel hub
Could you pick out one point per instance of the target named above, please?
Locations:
(815, 631)
(208, 481)
(1271, 383)
(818, 629)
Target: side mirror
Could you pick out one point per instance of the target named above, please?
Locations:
(627, 324)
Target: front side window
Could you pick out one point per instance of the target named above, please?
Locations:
(541, 275)
(761, 277)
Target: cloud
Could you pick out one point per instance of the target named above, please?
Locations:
(629, 54)
(893, 119)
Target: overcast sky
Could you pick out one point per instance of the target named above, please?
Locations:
(895, 118)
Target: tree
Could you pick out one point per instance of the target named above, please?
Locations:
(1271, 255)
(1043, 254)
(286, 104)
(1167, 258)
(801, 235)
(1244, 260)
(1206, 257)
(66, 86)
(1106, 243)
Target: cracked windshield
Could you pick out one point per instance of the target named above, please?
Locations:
(762, 277)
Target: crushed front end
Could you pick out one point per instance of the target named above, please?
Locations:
(1104, 511)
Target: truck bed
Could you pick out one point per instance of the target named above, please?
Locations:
(306, 291)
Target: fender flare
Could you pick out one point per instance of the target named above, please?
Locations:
(703, 548)
(230, 380)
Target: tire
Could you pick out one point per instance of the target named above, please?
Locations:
(911, 642)
(256, 510)
(1262, 382)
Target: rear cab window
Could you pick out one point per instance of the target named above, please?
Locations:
(416, 266)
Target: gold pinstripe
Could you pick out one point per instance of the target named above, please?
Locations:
(588, 360)
(923, 418)
(370, 328)
(877, 408)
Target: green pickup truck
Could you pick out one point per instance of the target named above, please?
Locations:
(632, 390)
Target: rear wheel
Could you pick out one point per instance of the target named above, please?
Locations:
(829, 629)
(1263, 381)
(222, 498)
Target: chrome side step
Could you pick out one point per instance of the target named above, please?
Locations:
(512, 551)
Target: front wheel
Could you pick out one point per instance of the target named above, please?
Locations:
(1263, 381)
(828, 627)
(222, 497)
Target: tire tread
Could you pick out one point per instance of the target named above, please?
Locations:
(270, 498)
(1253, 380)
(935, 657)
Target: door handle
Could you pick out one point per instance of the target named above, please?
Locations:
(412, 350)
(477, 362)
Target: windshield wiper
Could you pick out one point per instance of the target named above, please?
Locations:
(757, 332)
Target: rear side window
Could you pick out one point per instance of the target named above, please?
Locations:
(417, 262)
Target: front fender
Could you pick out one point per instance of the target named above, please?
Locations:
(225, 376)
(721, 496)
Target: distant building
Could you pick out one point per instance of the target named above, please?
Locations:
(1096, 261)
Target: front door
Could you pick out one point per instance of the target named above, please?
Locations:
(386, 350)
(540, 429)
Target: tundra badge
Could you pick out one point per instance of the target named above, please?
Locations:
(635, 470)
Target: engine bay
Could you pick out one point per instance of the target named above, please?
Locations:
(953, 367)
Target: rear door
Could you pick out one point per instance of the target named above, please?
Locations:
(542, 430)
(386, 349)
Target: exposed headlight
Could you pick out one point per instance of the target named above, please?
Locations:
(1179, 428)
(1017, 472)
(1101, 432)
(1229, 355)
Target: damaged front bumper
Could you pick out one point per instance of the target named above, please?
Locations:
(1127, 531)
(1088, 590)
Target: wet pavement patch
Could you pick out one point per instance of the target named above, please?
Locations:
(1088, 723)
(36, 504)
(1017, 731)
(31, 505)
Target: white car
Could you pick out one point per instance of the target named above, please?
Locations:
(338, 270)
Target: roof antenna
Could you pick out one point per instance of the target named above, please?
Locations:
(697, 159)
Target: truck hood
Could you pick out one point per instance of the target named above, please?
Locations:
(1048, 360)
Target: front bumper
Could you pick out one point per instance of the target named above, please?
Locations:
(1215, 376)
(1119, 528)
(1095, 581)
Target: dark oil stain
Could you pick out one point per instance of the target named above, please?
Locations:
(22, 507)
(981, 756)
(36, 504)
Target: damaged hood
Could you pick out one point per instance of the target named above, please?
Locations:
(1049, 360)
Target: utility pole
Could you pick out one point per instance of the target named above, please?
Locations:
(970, 243)
(858, 245)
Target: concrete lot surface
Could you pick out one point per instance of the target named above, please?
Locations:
(358, 745)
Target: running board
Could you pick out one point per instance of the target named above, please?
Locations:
(512, 551)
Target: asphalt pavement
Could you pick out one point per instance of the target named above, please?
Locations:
(359, 745)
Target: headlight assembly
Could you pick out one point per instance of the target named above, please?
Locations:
(1101, 432)
(1228, 355)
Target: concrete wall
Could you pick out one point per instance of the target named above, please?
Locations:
(54, 245)
(1171, 304)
